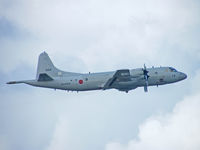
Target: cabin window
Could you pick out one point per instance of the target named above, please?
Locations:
(156, 72)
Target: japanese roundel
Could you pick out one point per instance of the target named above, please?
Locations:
(80, 81)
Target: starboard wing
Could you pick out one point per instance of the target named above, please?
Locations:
(119, 76)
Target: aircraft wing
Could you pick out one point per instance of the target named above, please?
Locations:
(119, 76)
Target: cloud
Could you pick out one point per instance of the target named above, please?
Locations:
(4, 143)
(93, 32)
(27, 119)
(60, 140)
(178, 130)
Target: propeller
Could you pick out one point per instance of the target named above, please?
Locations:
(146, 76)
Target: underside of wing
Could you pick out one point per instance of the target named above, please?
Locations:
(119, 76)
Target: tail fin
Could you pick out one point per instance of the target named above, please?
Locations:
(45, 66)
(46, 70)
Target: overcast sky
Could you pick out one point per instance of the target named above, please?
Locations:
(96, 36)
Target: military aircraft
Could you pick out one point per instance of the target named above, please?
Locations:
(48, 76)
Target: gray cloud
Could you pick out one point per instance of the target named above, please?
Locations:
(4, 142)
(92, 32)
(178, 130)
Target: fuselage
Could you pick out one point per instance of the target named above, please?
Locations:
(96, 81)
(49, 76)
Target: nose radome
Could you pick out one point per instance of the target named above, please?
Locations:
(184, 75)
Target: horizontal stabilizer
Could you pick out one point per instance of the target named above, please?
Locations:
(44, 77)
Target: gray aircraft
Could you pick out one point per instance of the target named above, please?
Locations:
(49, 76)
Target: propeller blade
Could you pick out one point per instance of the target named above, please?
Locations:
(146, 84)
(146, 76)
(145, 89)
(145, 68)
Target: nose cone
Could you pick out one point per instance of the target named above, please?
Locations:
(183, 76)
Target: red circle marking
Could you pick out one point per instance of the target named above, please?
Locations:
(80, 81)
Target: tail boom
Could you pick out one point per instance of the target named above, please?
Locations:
(15, 82)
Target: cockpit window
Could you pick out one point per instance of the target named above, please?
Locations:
(172, 69)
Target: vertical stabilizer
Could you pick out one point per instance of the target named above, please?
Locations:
(46, 70)
(45, 66)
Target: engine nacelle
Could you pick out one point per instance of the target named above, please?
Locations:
(137, 72)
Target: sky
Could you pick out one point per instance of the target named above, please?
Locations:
(96, 36)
